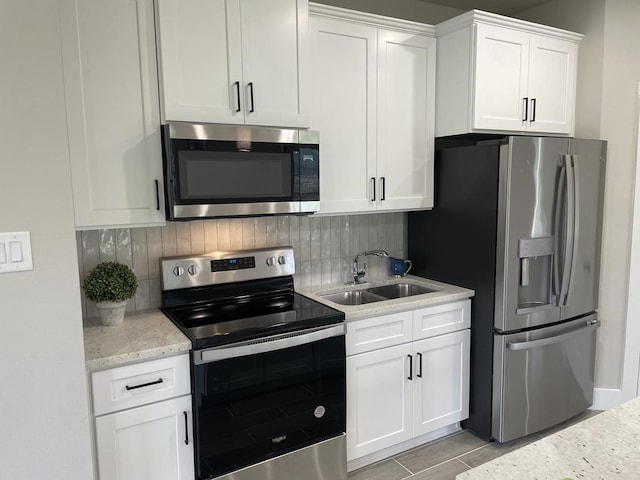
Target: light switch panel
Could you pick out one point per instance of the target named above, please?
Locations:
(15, 252)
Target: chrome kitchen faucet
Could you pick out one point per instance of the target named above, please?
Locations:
(358, 274)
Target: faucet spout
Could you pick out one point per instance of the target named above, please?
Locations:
(357, 273)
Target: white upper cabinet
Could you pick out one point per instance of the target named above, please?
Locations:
(234, 61)
(406, 114)
(111, 93)
(373, 103)
(344, 111)
(500, 74)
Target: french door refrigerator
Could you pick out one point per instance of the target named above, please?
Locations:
(518, 219)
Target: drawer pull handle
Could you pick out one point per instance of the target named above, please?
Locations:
(156, 382)
(186, 428)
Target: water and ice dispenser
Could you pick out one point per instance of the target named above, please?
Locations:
(536, 267)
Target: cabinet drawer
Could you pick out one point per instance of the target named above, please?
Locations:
(378, 332)
(134, 385)
(445, 318)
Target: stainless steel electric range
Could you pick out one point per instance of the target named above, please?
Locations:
(268, 367)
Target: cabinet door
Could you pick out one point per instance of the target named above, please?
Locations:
(441, 395)
(150, 442)
(406, 110)
(501, 73)
(379, 405)
(552, 85)
(275, 41)
(344, 111)
(111, 92)
(201, 60)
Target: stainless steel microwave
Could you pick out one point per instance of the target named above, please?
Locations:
(230, 171)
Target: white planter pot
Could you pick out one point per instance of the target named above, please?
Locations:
(111, 313)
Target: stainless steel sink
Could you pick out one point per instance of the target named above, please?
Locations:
(399, 290)
(353, 297)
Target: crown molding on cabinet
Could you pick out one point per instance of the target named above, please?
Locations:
(455, 23)
(373, 19)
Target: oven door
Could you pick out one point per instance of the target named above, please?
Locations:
(215, 171)
(262, 399)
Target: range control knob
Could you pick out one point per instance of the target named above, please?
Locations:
(271, 261)
(282, 259)
(178, 271)
(192, 269)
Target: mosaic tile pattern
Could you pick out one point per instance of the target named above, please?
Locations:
(324, 247)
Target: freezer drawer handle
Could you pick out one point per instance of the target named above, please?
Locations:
(543, 342)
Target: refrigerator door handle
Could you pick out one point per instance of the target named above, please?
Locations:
(560, 194)
(576, 225)
(567, 256)
(589, 325)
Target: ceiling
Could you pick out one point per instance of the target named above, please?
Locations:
(504, 7)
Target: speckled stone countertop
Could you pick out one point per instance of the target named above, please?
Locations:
(142, 336)
(603, 447)
(444, 293)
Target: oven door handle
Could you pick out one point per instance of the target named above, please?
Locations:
(267, 344)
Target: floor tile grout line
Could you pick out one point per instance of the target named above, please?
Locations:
(410, 472)
(438, 464)
(473, 450)
(465, 464)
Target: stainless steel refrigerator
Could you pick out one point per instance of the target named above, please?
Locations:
(518, 219)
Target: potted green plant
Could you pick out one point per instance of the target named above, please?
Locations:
(110, 285)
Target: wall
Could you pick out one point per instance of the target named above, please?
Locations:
(415, 10)
(44, 424)
(611, 28)
(324, 247)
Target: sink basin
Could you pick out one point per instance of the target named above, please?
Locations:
(399, 290)
(353, 297)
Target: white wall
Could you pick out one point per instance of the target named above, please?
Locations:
(611, 27)
(44, 425)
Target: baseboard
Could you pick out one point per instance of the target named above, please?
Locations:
(401, 447)
(606, 398)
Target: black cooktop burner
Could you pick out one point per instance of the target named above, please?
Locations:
(219, 316)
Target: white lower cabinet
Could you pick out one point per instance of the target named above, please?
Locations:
(149, 442)
(440, 381)
(400, 392)
(144, 421)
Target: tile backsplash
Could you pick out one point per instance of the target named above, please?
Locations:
(324, 247)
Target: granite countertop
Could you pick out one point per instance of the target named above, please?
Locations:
(148, 335)
(602, 447)
(445, 293)
(142, 336)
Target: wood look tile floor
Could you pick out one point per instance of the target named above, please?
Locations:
(445, 458)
